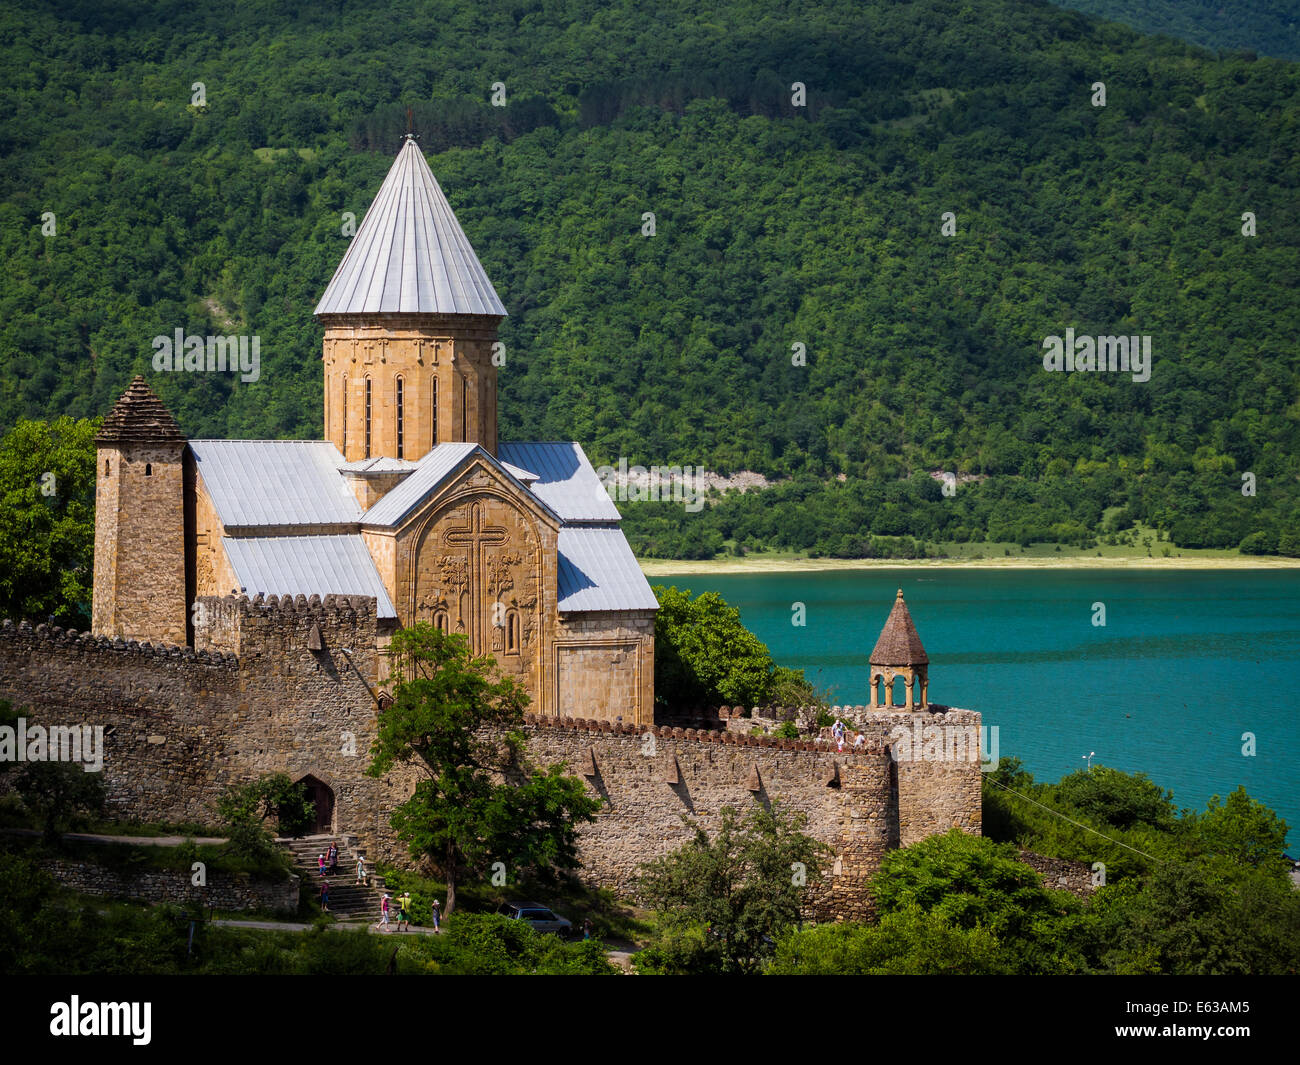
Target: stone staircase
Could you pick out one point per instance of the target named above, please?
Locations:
(350, 903)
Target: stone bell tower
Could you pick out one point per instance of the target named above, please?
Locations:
(410, 326)
(139, 590)
(899, 653)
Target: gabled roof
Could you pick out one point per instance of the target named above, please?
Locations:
(438, 465)
(410, 254)
(307, 565)
(275, 482)
(899, 644)
(565, 481)
(139, 417)
(379, 464)
(597, 571)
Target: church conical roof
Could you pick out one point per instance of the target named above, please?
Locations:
(899, 644)
(139, 417)
(410, 255)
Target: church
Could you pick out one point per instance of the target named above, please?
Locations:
(409, 497)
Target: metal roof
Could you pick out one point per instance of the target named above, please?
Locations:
(565, 481)
(597, 571)
(408, 495)
(307, 565)
(379, 464)
(275, 482)
(410, 254)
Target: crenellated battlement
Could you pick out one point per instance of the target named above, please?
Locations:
(260, 605)
(700, 735)
(70, 639)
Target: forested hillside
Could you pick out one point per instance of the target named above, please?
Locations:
(775, 225)
(1269, 27)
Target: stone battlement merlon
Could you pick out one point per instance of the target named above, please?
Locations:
(731, 739)
(261, 605)
(85, 641)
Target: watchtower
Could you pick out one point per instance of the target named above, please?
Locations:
(140, 579)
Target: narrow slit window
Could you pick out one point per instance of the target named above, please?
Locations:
(433, 413)
(367, 437)
(400, 426)
(464, 409)
(345, 417)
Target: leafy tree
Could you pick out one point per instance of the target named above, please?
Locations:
(478, 800)
(1124, 800)
(1202, 918)
(910, 942)
(705, 657)
(721, 901)
(245, 808)
(47, 520)
(1242, 830)
(57, 791)
(967, 880)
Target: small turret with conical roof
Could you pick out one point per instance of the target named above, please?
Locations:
(140, 586)
(899, 653)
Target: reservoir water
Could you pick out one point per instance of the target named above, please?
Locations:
(1186, 664)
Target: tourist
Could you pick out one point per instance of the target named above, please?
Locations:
(858, 740)
(334, 858)
(437, 917)
(361, 870)
(404, 911)
(320, 863)
(324, 896)
(383, 913)
(586, 928)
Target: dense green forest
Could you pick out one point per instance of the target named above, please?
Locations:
(1269, 27)
(129, 211)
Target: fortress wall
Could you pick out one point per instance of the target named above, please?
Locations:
(182, 725)
(650, 777)
(166, 712)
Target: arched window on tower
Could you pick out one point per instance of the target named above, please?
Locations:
(344, 449)
(464, 408)
(433, 413)
(441, 621)
(512, 632)
(400, 427)
(367, 430)
(148, 469)
(106, 466)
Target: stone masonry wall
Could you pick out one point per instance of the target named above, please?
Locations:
(649, 778)
(224, 891)
(181, 725)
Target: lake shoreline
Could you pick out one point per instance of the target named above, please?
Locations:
(655, 567)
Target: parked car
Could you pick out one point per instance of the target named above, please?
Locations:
(539, 916)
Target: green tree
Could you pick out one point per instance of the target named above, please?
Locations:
(705, 657)
(57, 791)
(1124, 800)
(478, 801)
(47, 520)
(721, 902)
(245, 809)
(967, 880)
(1243, 830)
(910, 942)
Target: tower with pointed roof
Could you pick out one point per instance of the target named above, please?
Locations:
(140, 572)
(410, 327)
(899, 653)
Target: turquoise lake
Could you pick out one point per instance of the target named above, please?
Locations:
(1186, 663)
